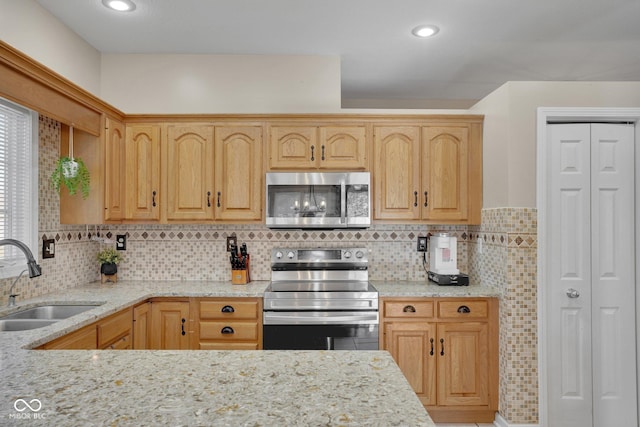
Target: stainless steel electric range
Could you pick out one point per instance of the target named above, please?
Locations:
(320, 299)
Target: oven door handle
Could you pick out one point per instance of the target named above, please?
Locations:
(319, 318)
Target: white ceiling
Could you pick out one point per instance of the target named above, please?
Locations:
(481, 45)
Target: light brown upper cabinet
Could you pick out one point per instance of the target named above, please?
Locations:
(429, 173)
(114, 184)
(238, 173)
(333, 147)
(143, 172)
(103, 157)
(213, 172)
(188, 172)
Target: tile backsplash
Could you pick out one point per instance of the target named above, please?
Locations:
(501, 252)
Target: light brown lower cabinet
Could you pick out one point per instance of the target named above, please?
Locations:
(110, 333)
(228, 324)
(447, 349)
(170, 325)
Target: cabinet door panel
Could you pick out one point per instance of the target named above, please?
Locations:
(114, 185)
(343, 147)
(190, 188)
(445, 173)
(169, 320)
(293, 147)
(463, 369)
(238, 171)
(143, 172)
(397, 172)
(411, 345)
(142, 326)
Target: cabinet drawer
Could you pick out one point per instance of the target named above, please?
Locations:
(408, 309)
(112, 327)
(462, 309)
(122, 343)
(228, 346)
(228, 331)
(228, 309)
(82, 339)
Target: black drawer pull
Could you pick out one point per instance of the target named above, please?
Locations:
(228, 309)
(409, 309)
(431, 352)
(183, 332)
(442, 348)
(227, 330)
(464, 309)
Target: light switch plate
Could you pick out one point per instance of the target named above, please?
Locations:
(48, 248)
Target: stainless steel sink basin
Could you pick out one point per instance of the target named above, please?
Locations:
(49, 312)
(41, 316)
(24, 324)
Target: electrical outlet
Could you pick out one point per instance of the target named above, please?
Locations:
(121, 242)
(48, 248)
(231, 241)
(422, 243)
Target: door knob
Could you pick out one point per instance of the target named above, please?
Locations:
(572, 293)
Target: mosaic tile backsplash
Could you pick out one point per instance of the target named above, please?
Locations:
(501, 252)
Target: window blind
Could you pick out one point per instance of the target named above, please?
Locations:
(18, 184)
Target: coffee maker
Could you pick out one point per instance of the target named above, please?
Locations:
(443, 261)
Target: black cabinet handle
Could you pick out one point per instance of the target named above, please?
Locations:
(323, 152)
(208, 199)
(227, 330)
(409, 309)
(312, 155)
(153, 199)
(219, 194)
(227, 309)
(464, 309)
(183, 320)
(426, 199)
(415, 201)
(431, 352)
(442, 348)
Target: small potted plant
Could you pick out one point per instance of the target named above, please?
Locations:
(109, 259)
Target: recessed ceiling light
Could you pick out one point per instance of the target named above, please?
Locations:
(120, 5)
(424, 31)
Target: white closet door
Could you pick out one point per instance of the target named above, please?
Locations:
(569, 268)
(591, 276)
(613, 275)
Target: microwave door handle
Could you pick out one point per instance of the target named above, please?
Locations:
(343, 203)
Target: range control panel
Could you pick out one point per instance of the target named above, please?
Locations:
(319, 255)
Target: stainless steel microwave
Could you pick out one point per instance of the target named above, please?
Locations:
(318, 199)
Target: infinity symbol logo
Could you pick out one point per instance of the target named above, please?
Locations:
(22, 405)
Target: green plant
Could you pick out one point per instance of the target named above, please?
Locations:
(109, 256)
(80, 179)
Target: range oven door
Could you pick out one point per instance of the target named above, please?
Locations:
(329, 330)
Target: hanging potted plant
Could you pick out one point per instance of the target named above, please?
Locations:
(71, 173)
(109, 259)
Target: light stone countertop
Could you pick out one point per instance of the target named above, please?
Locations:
(431, 289)
(226, 388)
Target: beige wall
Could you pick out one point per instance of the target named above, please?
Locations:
(31, 29)
(510, 130)
(192, 84)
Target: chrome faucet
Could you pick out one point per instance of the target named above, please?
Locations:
(32, 266)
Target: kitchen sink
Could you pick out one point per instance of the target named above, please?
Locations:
(41, 316)
(24, 324)
(49, 312)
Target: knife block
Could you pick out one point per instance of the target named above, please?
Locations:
(241, 277)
